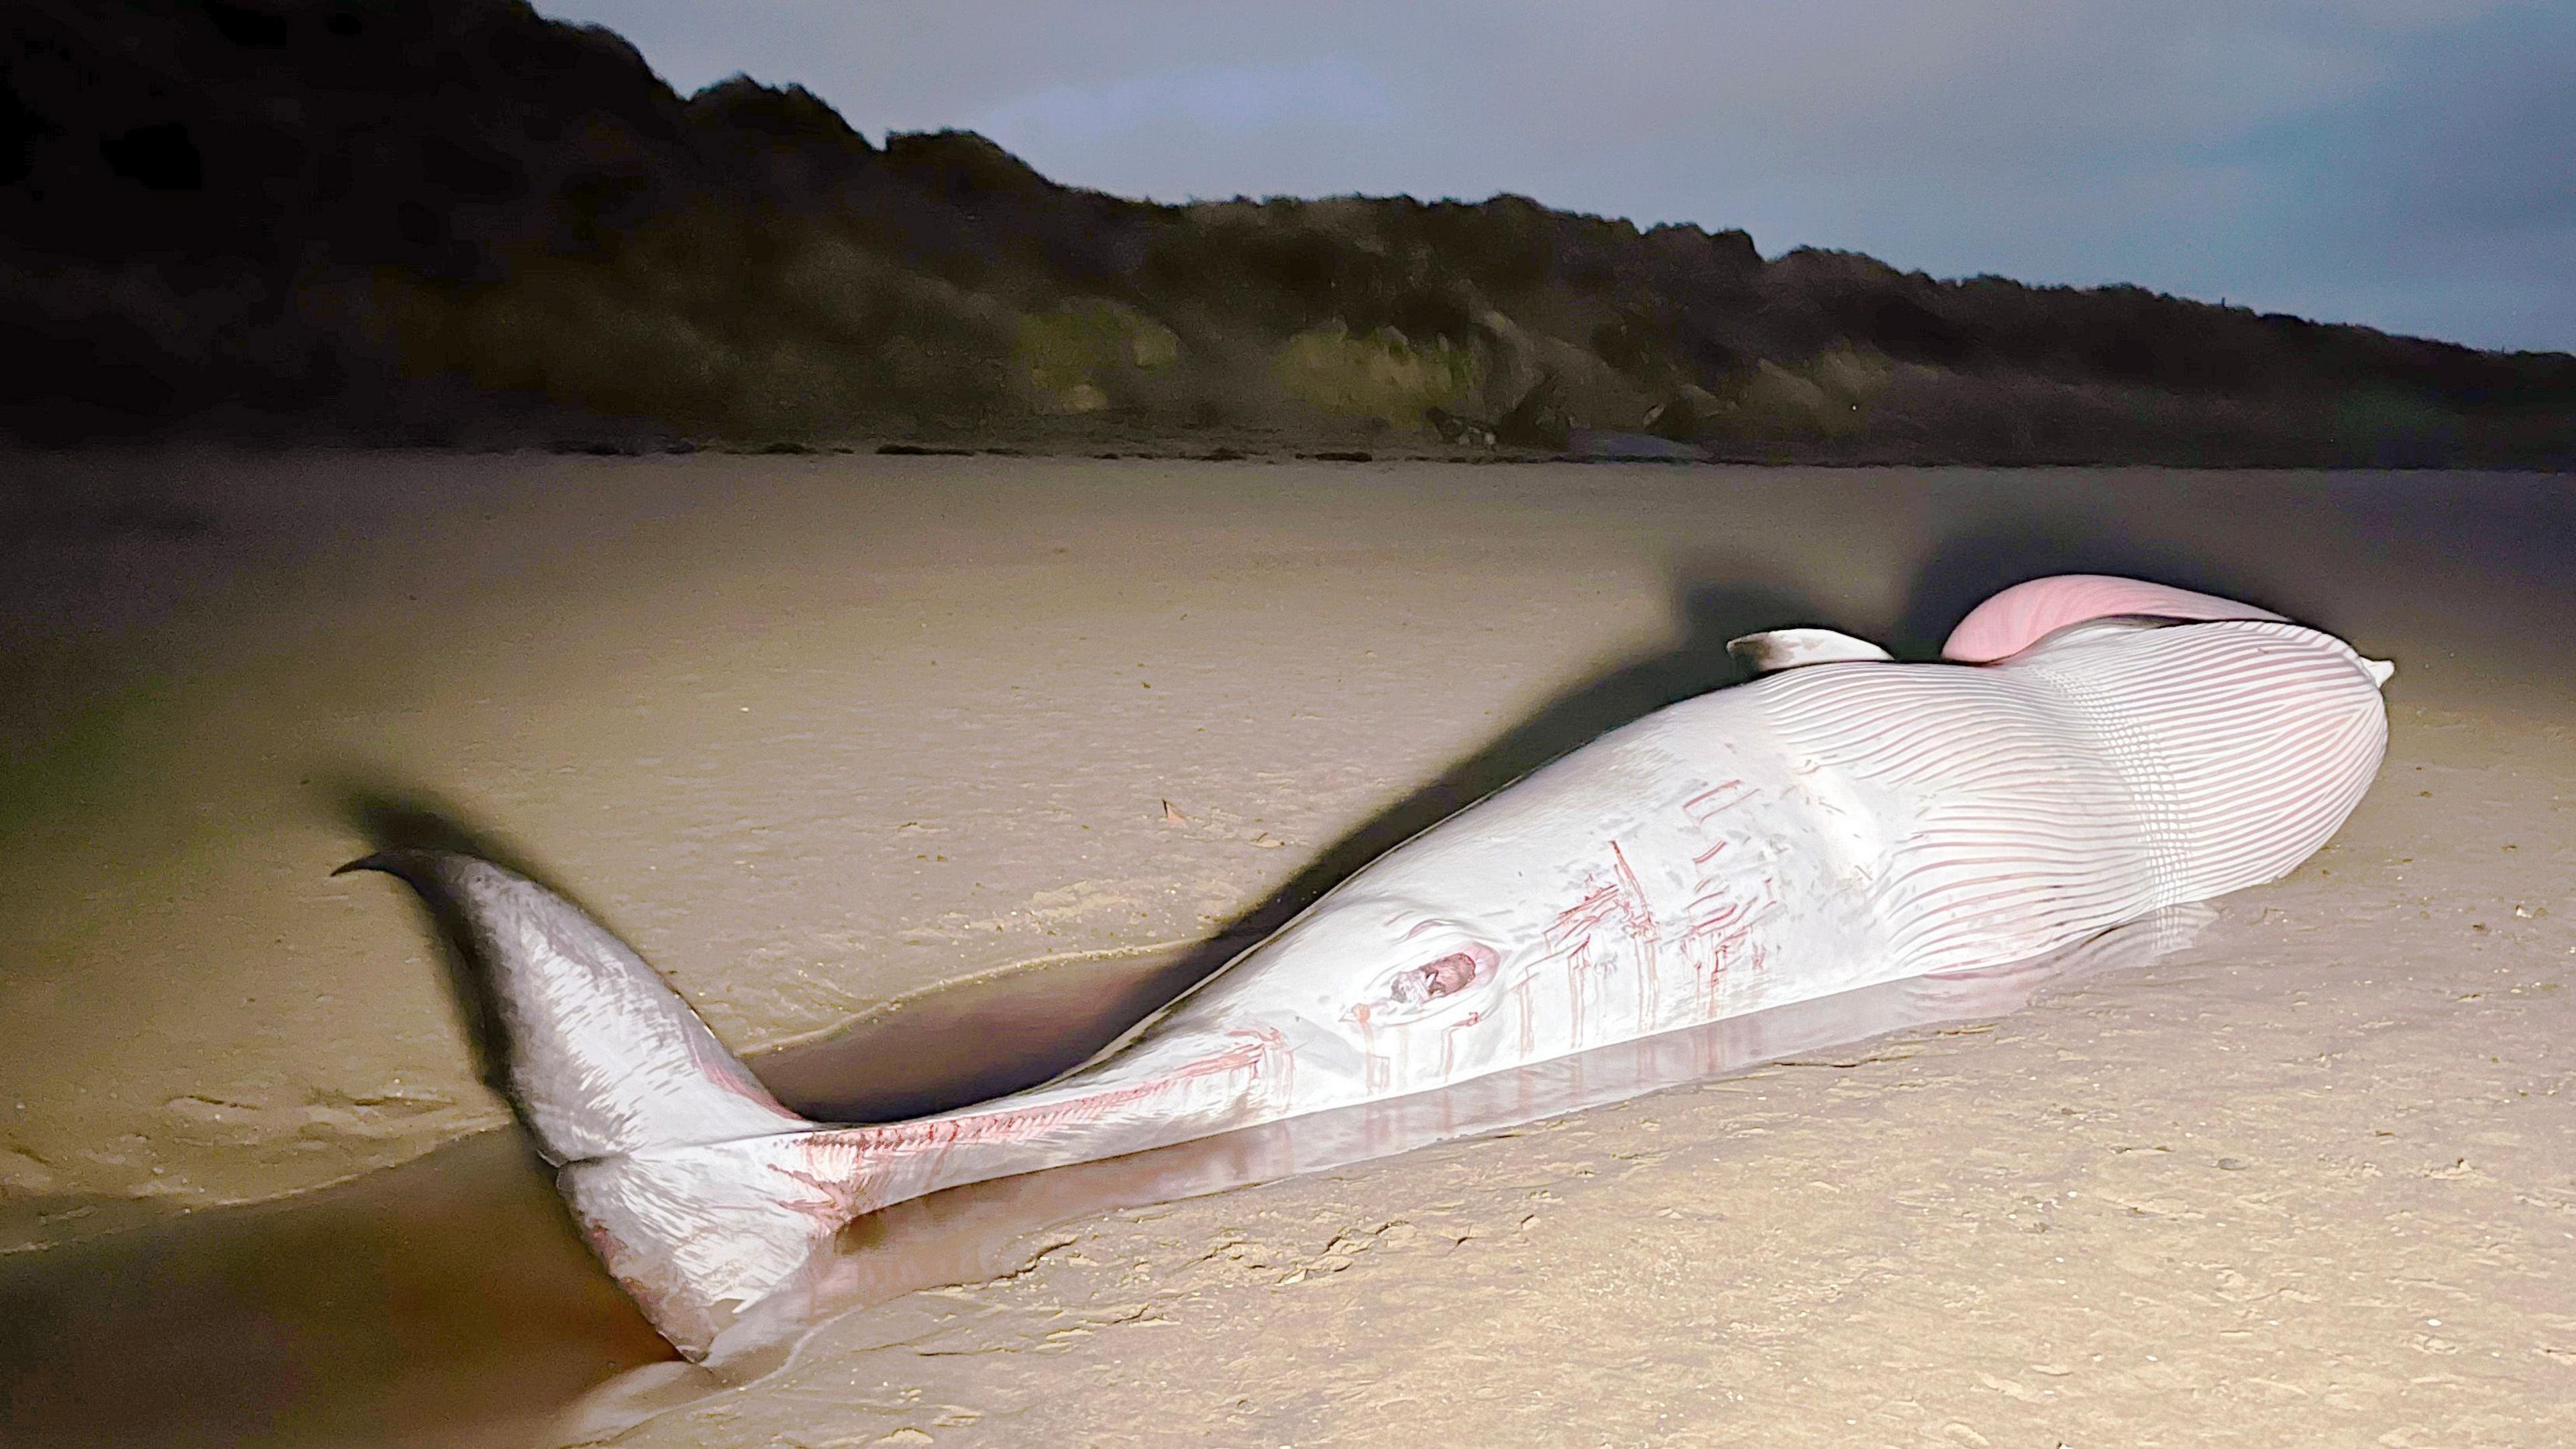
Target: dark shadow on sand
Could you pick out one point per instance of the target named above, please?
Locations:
(983, 1039)
(975, 1040)
(396, 820)
(972, 1041)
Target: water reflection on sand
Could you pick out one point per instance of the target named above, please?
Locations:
(448, 1301)
(974, 1232)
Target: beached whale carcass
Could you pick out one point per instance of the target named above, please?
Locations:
(2098, 749)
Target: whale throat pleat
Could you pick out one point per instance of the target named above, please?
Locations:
(2104, 774)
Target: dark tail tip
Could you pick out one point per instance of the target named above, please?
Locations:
(407, 864)
(468, 967)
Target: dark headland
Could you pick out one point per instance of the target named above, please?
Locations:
(368, 221)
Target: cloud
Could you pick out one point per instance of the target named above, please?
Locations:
(2346, 157)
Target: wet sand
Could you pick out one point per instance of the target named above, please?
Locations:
(447, 1301)
(822, 733)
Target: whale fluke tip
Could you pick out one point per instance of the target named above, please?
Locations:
(391, 862)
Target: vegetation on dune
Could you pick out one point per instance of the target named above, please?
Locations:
(1382, 375)
(383, 220)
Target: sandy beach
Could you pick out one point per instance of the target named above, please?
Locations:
(826, 734)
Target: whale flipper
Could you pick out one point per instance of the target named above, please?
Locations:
(2026, 613)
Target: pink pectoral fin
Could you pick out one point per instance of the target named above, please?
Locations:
(2024, 614)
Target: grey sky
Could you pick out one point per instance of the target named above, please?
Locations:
(2410, 164)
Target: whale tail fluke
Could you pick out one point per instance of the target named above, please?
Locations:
(682, 1169)
(598, 1054)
